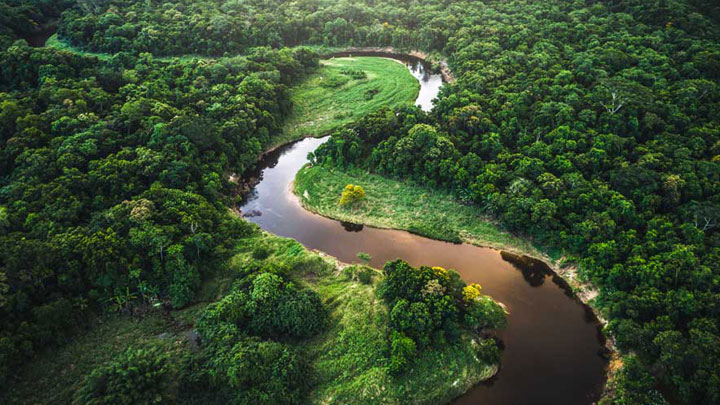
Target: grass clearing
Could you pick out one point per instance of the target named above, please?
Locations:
(337, 94)
(396, 204)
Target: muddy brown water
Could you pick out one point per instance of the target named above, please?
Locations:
(552, 347)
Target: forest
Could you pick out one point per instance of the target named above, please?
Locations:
(591, 127)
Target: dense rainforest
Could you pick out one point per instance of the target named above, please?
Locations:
(591, 126)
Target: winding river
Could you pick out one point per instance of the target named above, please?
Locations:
(552, 343)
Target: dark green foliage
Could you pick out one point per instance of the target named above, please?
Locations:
(114, 178)
(593, 128)
(137, 376)
(243, 365)
(274, 308)
(354, 73)
(402, 351)
(30, 20)
(253, 371)
(432, 306)
(484, 313)
(489, 352)
(360, 273)
(635, 385)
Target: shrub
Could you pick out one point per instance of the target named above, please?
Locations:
(432, 304)
(364, 257)
(332, 81)
(488, 351)
(363, 274)
(185, 281)
(354, 73)
(413, 320)
(248, 369)
(351, 195)
(402, 350)
(261, 251)
(484, 313)
(267, 372)
(136, 376)
(635, 385)
(273, 307)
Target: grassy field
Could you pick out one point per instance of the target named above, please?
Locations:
(344, 90)
(399, 205)
(349, 359)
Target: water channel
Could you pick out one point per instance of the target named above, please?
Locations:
(552, 343)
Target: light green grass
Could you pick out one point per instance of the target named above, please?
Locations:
(328, 99)
(401, 205)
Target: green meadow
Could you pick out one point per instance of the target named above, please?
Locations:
(344, 90)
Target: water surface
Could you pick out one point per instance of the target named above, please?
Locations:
(552, 343)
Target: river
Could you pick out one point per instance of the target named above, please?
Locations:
(552, 343)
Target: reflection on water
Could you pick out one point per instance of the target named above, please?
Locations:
(430, 84)
(350, 227)
(534, 271)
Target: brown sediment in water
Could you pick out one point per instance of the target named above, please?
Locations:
(549, 337)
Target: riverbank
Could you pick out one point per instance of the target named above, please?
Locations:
(392, 204)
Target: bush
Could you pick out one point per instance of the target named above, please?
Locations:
(354, 73)
(635, 385)
(488, 351)
(413, 320)
(351, 195)
(363, 274)
(332, 81)
(433, 305)
(261, 251)
(484, 313)
(185, 281)
(248, 369)
(402, 350)
(267, 372)
(136, 376)
(364, 257)
(273, 307)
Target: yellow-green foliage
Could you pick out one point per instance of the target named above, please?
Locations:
(352, 194)
(471, 292)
